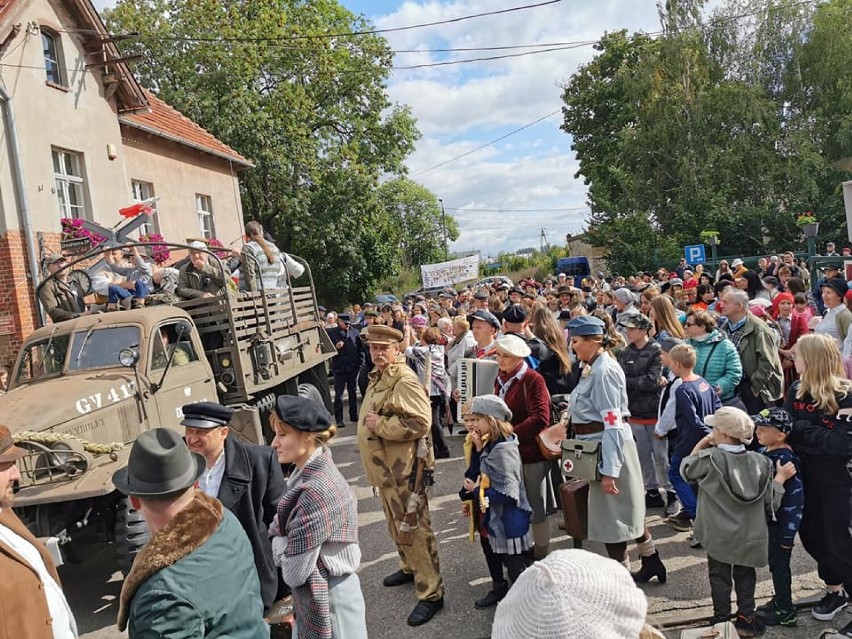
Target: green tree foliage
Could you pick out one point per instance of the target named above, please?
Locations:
(414, 221)
(309, 108)
(714, 125)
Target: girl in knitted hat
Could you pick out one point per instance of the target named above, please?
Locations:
(495, 481)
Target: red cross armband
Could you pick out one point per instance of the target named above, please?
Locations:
(611, 418)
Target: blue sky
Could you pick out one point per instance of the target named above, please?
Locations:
(460, 107)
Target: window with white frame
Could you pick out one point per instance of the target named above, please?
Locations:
(70, 183)
(52, 66)
(144, 191)
(204, 207)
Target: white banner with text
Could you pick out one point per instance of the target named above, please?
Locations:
(449, 273)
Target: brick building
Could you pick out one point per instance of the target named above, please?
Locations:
(80, 138)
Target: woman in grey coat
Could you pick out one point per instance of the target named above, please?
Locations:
(598, 412)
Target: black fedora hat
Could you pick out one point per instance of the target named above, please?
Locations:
(160, 463)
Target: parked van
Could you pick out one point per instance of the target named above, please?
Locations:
(576, 267)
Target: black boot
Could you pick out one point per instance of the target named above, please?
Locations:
(495, 596)
(651, 567)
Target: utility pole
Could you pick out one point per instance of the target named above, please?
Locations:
(444, 229)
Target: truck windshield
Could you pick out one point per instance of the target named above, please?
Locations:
(99, 348)
(42, 359)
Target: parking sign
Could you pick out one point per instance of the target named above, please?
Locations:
(694, 254)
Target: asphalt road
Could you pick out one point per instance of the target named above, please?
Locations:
(93, 586)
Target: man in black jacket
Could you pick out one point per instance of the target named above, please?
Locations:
(345, 366)
(246, 478)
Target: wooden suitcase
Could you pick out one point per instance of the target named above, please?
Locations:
(575, 508)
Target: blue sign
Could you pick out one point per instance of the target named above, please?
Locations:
(695, 254)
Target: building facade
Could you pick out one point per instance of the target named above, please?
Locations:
(82, 139)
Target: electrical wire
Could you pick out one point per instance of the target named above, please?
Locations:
(410, 27)
(487, 144)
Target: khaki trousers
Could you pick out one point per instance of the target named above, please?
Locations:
(421, 557)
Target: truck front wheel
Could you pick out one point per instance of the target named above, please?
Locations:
(131, 534)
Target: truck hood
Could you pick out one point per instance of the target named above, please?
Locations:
(72, 403)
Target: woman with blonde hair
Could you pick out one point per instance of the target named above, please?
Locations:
(556, 369)
(820, 403)
(315, 531)
(664, 319)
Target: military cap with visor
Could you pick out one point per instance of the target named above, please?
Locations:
(381, 335)
(586, 325)
(206, 415)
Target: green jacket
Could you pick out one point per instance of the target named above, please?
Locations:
(195, 579)
(735, 492)
(761, 362)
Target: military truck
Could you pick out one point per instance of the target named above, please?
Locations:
(82, 390)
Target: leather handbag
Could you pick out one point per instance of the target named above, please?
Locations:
(581, 459)
(549, 441)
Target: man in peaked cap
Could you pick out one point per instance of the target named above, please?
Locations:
(345, 366)
(395, 416)
(195, 577)
(480, 300)
(514, 323)
(484, 325)
(246, 478)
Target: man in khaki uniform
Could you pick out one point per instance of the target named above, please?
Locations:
(395, 414)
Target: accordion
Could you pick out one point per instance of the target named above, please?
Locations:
(476, 377)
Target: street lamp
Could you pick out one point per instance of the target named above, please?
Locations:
(444, 229)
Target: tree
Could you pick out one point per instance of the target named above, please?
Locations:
(416, 222)
(309, 108)
(714, 125)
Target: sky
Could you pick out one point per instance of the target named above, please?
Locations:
(520, 190)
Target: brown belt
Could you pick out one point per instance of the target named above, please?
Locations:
(587, 429)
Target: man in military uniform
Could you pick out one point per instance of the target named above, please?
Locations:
(345, 366)
(61, 298)
(395, 415)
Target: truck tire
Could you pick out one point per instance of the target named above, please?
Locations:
(131, 534)
(318, 378)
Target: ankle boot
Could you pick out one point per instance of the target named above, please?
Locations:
(652, 566)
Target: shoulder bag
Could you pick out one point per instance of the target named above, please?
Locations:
(581, 459)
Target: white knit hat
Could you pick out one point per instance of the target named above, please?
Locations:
(572, 594)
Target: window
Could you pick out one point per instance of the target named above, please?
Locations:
(50, 45)
(70, 185)
(204, 207)
(166, 346)
(144, 191)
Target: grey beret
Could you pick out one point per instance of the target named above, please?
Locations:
(491, 405)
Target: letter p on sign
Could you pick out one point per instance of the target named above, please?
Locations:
(694, 254)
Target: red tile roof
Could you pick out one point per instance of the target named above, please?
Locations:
(167, 122)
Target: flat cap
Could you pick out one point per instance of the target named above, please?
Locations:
(676, 281)
(585, 325)
(302, 414)
(381, 335)
(481, 294)
(371, 312)
(513, 345)
(445, 295)
(837, 284)
(516, 289)
(484, 316)
(637, 321)
(491, 405)
(515, 314)
(345, 317)
(206, 415)
(56, 257)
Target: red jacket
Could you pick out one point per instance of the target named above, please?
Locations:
(529, 402)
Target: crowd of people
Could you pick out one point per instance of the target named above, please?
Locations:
(681, 392)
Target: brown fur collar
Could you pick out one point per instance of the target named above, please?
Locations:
(188, 531)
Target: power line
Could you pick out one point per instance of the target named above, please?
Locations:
(353, 33)
(446, 63)
(487, 144)
(562, 210)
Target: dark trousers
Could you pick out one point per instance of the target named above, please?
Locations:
(722, 577)
(438, 410)
(825, 531)
(349, 381)
(514, 564)
(779, 566)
